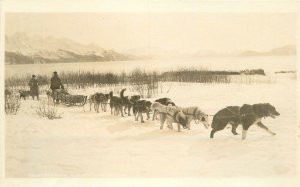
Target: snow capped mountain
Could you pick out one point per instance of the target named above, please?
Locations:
(21, 48)
(279, 51)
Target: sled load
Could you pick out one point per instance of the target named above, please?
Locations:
(62, 96)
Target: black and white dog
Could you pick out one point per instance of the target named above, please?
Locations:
(247, 115)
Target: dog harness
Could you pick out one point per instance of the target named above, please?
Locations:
(235, 114)
(174, 116)
(193, 113)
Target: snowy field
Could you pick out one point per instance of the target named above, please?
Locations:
(89, 144)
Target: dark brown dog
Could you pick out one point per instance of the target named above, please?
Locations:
(246, 115)
(128, 102)
(116, 104)
(165, 101)
(24, 94)
(140, 107)
(7, 93)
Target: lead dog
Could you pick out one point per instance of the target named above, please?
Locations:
(194, 113)
(164, 101)
(247, 115)
(171, 114)
(140, 107)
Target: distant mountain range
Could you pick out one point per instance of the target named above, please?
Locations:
(23, 49)
(280, 51)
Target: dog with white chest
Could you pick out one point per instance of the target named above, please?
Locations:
(170, 114)
(194, 113)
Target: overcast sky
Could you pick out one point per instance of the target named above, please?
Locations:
(185, 32)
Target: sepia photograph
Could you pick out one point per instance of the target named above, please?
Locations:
(150, 94)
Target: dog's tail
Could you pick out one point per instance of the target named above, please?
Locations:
(110, 94)
(122, 93)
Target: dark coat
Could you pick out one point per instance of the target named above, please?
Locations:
(34, 87)
(56, 83)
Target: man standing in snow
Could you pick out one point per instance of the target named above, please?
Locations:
(34, 87)
(55, 82)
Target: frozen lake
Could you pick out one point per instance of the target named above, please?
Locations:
(270, 64)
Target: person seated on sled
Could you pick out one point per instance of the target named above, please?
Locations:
(34, 87)
(55, 83)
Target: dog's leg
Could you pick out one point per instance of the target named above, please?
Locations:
(142, 120)
(102, 107)
(244, 134)
(125, 107)
(98, 107)
(148, 116)
(261, 125)
(162, 120)
(217, 125)
(129, 107)
(154, 115)
(90, 102)
(117, 109)
(189, 122)
(95, 106)
(122, 111)
(170, 126)
(233, 130)
(212, 133)
(178, 127)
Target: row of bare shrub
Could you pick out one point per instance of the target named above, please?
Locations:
(137, 76)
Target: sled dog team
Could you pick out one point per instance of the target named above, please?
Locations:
(165, 108)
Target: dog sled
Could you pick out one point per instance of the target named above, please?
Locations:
(62, 96)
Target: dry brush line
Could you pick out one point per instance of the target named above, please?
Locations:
(48, 110)
(12, 104)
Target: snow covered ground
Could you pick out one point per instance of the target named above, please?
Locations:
(90, 144)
